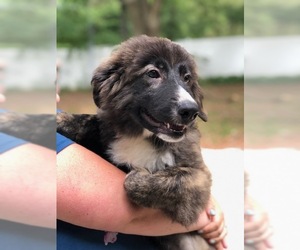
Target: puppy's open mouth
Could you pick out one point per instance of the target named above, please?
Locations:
(162, 127)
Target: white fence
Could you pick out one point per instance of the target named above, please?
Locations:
(216, 57)
(272, 56)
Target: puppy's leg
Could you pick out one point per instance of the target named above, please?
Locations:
(76, 127)
(180, 192)
(82, 129)
(35, 128)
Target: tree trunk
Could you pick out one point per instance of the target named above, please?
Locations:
(143, 16)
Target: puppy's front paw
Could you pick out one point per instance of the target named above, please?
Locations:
(137, 188)
(182, 193)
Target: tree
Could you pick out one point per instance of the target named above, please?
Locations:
(81, 22)
(144, 16)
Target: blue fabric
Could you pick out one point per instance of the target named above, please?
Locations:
(3, 110)
(62, 142)
(15, 236)
(71, 237)
(8, 142)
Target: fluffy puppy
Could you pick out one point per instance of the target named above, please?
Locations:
(148, 98)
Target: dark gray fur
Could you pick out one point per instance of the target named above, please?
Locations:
(38, 129)
(123, 91)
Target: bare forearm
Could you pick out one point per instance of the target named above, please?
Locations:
(155, 223)
(91, 194)
(28, 185)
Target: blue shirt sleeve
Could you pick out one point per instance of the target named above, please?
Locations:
(62, 142)
(8, 142)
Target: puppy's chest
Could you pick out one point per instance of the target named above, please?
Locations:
(140, 153)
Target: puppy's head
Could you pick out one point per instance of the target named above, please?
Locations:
(153, 82)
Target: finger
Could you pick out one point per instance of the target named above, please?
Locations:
(218, 246)
(260, 246)
(211, 229)
(269, 243)
(215, 233)
(255, 222)
(261, 238)
(257, 231)
(2, 98)
(248, 216)
(224, 242)
(249, 213)
(217, 221)
(219, 239)
(211, 213)
(221, 245)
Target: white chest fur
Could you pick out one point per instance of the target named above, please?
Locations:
(139, 152)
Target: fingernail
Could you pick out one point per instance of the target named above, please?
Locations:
(249, 212)
(269, 243)
(224, 243)
(212, 212)
(212, 241)
(249, 241)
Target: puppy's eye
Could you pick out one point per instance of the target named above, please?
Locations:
(187, 77)
(153, 74)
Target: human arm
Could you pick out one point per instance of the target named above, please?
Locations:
(90, 193)
(28, 185)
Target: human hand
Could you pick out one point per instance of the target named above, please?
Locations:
(257, 230)
(2, 96)
(215, 232)
(57, 98)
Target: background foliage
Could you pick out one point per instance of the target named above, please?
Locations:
(81, 22)
(272, 17)
(27, 23)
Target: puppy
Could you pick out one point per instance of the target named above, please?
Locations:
(148, 98)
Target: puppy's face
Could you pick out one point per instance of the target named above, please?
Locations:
(152, 82)
(164, 102)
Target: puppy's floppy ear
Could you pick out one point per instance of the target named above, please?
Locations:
(106, 82)
(198, 95)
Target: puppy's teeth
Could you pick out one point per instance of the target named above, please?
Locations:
(168, 125)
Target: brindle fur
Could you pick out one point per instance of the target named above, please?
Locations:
(181, 190)
(38, 129)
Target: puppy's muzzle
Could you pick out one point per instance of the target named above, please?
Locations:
(187, 111)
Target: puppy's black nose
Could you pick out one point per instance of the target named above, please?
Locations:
(188, 111)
